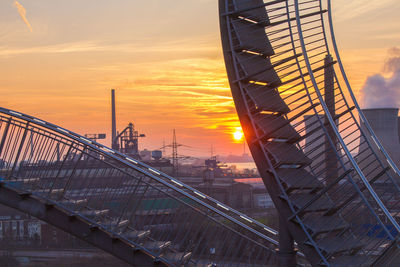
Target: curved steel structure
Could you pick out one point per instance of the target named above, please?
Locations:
(336, 195)
(118, 204)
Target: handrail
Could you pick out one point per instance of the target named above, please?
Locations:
(313, 107)
(362, 116)
(150, 172)
(356, 105)
(70, 212)
(333, 125)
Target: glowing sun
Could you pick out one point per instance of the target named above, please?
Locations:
(238, 134)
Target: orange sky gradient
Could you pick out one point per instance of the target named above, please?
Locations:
(163, 57)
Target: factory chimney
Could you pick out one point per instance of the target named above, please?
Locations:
(314, 143)
(114, 141)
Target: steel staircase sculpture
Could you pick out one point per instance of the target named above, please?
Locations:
(337, 196)
(340, 203)
(119, 204)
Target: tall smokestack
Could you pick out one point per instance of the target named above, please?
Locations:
(114, 143)
(315, 142)
(330, 152)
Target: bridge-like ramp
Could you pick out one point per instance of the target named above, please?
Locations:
(118, 204)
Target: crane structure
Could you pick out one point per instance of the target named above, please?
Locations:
(96, 137)
(128, 141)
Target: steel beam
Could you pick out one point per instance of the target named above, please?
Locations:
(77, 226)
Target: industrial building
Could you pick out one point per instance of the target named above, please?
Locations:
(385, 123)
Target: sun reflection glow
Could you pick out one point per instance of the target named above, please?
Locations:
(238, 134)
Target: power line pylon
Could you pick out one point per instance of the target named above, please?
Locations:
(175, 156)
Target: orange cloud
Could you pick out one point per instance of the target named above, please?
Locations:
(22, 13)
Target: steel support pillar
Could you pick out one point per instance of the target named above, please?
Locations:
(286, 252)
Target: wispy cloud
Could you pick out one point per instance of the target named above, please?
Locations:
(22, 13)
(183, 47)
(346, 10)
(52, 49)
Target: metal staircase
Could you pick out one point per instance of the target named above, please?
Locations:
(331, 195)
(337, 197)
(120, 205)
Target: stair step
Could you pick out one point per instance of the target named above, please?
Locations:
(390, 256)
(351, 260)
(258, 68)
(287, 154)
(25, 181)
(74, 201)
(299, 200)
(257, 14)
(135, 234)
(337, 244)
(115, 223)
(47, 191)
(298, 179)
(157, 245)
(175, 257)
(324, 224)
(275, 126)
(203, 264)
(266, 99)
(94, 212)
(251, 37)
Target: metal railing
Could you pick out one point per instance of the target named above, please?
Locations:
(126, 198)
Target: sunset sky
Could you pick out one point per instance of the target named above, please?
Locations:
(59, 59)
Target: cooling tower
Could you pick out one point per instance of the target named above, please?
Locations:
(398, 124)
(384, 122)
